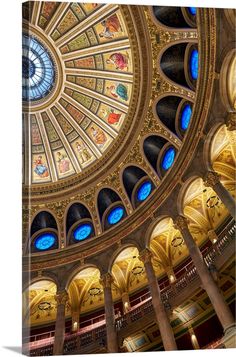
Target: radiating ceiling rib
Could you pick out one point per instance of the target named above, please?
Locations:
(67, 146)
(118, 45)
(35, 12)
(101, 97)
(86, 23)
(119, 76)
(90, 115)
(47, 147)
(79, 130)
(59, 13)
(196, 216)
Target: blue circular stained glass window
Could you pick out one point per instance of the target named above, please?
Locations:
(185, 117)
(38, 73)
(192, 10)
(193, 63)
(115, 215)
(45, 241)
(168, 158)
(144, 191)
(83, 231)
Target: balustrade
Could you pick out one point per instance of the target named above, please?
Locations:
(142, 308)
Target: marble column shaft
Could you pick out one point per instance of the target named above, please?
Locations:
(112, 341)
(61, 298)
(164, 325)
(221, 308)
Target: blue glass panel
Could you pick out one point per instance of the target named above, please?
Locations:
(115, 215)
(83, 231)
(185, 117)
(193, 63)
(38, 74)
(45, 241)
(192, 10)
(144, 191)
(168, 158)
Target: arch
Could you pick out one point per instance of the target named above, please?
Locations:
(208, 145)
(75, 271)
(151, 228)
(117, 253)
(182, 193)
(40, 278)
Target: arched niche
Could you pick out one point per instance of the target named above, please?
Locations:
(137, 184)
(79, 224)
(175, 17)
(180, 63)
(44, 233)
(159, 153)
(110, 207)
(175, 113)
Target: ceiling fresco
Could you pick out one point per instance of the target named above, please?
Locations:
(91, 56)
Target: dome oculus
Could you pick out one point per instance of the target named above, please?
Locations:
(45, 241)
(38, 72)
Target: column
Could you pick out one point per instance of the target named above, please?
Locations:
(112, 342)
(166, 332)
(126, 302)
(61, 299)
(212, 180)
(221, 308)
(75, 320)
(231, 131)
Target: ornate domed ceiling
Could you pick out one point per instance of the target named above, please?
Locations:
(78, 89)
(109, 120)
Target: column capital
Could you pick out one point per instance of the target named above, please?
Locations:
(211, 179)
(61, 297)
(145, 255)
(181, 223)
(106, 280)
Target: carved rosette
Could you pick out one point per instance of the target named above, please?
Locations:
(61, 297)
(145, 256)
(211, 179)
(181, 223)
(106, 280)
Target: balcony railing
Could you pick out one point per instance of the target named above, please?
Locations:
(96, 333)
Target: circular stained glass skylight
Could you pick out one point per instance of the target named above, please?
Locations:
(193, 63)
(144, 191)
(83, 231)
(115, 215)
(38, 73)
(168, 158)
(185, 117)
(45, 241)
